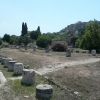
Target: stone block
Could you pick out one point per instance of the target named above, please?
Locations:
(44, 91)
(11, 65)
(6, 62)
(68, 53)
(28, 76)
(18, 68)
(93, 52)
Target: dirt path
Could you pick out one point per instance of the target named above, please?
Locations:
(55, 67)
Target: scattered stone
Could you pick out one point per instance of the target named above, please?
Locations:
(26, 96)
(44, 91)
(11, 65)
(76, 93)
(28, 76)
(18, 68)
(68, 53)
(93, 52)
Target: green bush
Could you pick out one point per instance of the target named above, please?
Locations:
(43, 41)
(5, 44)
(59, 46)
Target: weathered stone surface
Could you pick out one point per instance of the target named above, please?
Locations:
(1, 57)
(18, 68)
(68, 53)
(2, 60)
(44, 91)
(34, 48)
(93, 52)
(11, 65)
(28, 76)
(6, 61)
(46, 49)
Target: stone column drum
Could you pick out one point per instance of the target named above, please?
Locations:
(46, 49)
(6, 62)
(11, 65)
(44, 91)
(93, 52)
(34, 48)
(18, 68)
(28, 76)
(68, 53)
(2, 60)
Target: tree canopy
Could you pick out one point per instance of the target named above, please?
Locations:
(90, 37)
(43, 41)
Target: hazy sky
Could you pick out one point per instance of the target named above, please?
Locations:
(50, 15)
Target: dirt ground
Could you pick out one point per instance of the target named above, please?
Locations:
(79, 82)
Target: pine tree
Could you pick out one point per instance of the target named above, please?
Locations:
(38, 31)
(24, 29)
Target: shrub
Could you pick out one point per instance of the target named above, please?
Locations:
(59, 46)
(5, 44)
(43, 41)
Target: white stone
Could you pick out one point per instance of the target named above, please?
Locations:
(18, 68)
(44, 91)
(11, 65)
(68, 53)
(28, 76)
(2, 79)
(6, 61)
(93, 52)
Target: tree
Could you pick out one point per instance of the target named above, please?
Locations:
(90, 38)
(34, 35)
(24, 39)
(13, 39)
(38, 31)
(24, 29)
(6, 38)
(0, 41)
(43, 41)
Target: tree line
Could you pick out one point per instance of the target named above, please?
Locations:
(88, 37)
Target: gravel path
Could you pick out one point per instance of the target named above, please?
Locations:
(52, 67)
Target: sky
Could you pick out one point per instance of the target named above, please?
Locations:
(50, 15)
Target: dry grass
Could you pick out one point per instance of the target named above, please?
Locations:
(83, 79)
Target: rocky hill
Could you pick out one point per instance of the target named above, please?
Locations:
(73, 30)
(75, 27)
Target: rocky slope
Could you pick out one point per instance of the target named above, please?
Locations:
(75, 27)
